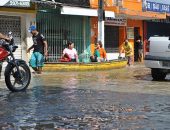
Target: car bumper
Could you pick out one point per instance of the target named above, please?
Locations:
(157, 62)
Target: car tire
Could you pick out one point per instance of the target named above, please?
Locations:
(158, 75)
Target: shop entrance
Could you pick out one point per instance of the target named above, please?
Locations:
(136, 35)
(59, 29)
(158, 28)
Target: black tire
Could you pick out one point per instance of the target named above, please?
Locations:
(158, 75)
(11, 71)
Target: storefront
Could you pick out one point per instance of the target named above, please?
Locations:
(62, 25)
(133, 31)
(16, 16)
(116, 31)
(68, 23)
(159, 26)
(135, 12)
(113, 35)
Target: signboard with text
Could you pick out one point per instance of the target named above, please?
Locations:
(117, 21)
(156, 5)
(15, 3)
(130, 32)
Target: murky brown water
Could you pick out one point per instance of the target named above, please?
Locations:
(123, 99)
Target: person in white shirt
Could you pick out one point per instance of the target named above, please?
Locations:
(70, 53)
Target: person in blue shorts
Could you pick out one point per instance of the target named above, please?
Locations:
(39, 50)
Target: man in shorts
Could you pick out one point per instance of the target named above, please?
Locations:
(39, 50)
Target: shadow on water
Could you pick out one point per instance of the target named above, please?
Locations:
(148, 77)
(50, 107)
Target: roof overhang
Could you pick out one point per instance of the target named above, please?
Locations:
(140, 15)
(84, 11)
(46, 2)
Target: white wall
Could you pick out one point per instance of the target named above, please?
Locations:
(26, 19)
(114, 56)
(30, 18)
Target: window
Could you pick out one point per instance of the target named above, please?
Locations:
(111, 39)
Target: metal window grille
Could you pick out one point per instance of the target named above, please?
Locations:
(111, 38)
(59, 29)
(11, 23)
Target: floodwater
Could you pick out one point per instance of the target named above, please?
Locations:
(121, 99)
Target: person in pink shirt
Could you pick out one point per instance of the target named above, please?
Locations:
(70, 53)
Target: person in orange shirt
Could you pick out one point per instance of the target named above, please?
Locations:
(102, 51)
(99, 53)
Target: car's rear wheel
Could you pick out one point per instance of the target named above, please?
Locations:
(158, 75)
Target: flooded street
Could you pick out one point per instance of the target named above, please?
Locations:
(121, 99)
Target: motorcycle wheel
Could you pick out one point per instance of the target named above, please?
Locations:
(14, 82)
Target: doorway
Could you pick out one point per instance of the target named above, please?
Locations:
(136, 36)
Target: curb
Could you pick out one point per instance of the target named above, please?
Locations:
(67, 67)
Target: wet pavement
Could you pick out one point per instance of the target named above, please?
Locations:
(121, 99)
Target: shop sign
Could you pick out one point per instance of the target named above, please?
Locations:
(117, 21)
(156, 6)
(130, 32)
(15, 3)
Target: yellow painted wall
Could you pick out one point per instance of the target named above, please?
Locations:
(109, 5)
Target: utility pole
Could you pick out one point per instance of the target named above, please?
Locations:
(101, 16)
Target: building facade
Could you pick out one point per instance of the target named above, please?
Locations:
(77, 21)
(159, 27)
(128, 23)
(17, 17)
(60, 28)
(71, 21)
(67, 22)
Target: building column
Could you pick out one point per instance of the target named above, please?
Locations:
(101, 31)
(101, 21)
(29, 20)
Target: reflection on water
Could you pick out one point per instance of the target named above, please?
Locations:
(123, 99)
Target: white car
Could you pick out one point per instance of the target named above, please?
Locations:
(158, 57)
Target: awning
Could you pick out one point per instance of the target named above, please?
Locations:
(84, 11)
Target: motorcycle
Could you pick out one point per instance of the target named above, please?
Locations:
(17, 73)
